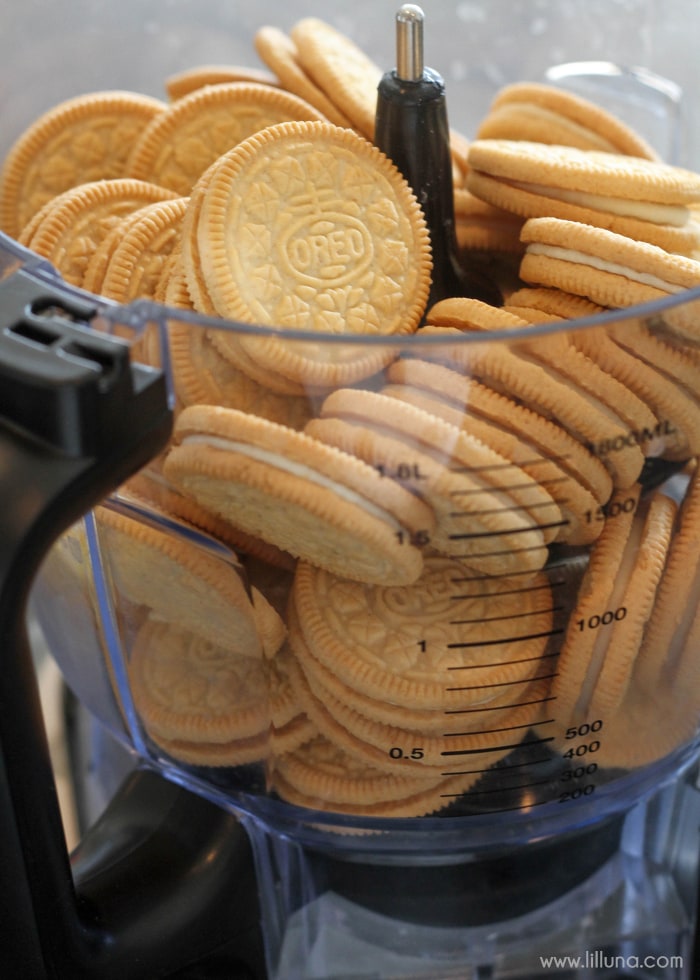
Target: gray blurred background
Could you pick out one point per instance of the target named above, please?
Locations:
(52, 49)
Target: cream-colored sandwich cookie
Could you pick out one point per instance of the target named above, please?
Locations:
(199, 702)
(190, 79)
(341, 69)
(135, 266)
(306, 498)
(557, 352)
(307, 226)
(81, 140)
(176, 148)
(320, 776)
(555, 302)
(662, 374)
(659, 710)
(577, 480)
(279, 52)
(74, 225)
(481, 226)
(97, 262)
(395, 746)
(198, 588)
(187, 290)
(609, 269)
(150, 487)
(613, 607)
(450, 641)
(203, 376)
(320, 678)
(224, 358)
(640, 199)
(470, 396)
(545, 114)
(289, 726)
(489, 512)
(517, 369)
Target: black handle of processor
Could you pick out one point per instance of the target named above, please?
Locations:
(173, 877)
(76, 419)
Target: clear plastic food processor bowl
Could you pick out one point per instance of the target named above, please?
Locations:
(522, 668)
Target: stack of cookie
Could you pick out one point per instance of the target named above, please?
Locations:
(410, 496)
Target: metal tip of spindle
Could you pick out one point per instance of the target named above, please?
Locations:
(409, 43)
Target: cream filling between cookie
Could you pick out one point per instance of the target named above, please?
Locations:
(658, 214)
(602, 265)
(298, 469)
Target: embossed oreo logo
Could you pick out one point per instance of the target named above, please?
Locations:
(328, 252)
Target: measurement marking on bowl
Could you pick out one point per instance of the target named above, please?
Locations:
(508, 578)
(485, 511)
(527, 805)
(553, 480)
(471, 793)
(505, 465)
(485, 488)
(497, 748)
(527, 485)
(507, 767)
(501, 592)
(497, 707)
(494, 731)
(502, 769)
(474, 535)
(503, 619)
(470, 556)
(488, 731)
(522, 680)
(466, 644)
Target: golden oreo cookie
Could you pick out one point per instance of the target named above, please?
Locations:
(545, 114)
(135, 265)
(609, 269)
(199, 702)
(655, 706)
(308, 226)
(481, 226)
(188, 80)
(395, 746)
(576, 479)
(341, 70)
(178, 581)
(74, 225)
(176, 148)
(319, 679)
(280, 54)
(306, 498)
(661, 373)
(448, 642)
(202, 375)
(150, 487)
(83, 139)
(667, 655)
(489, 512)
(640, 199)
(322, 776)
(553, 391)
(613, 606)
